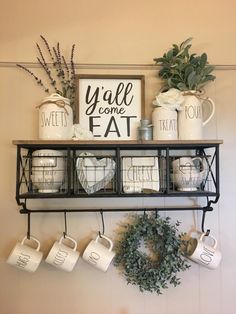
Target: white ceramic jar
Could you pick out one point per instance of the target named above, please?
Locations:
(55, 118)
(164, 122)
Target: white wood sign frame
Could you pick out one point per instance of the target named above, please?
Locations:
(110, 106)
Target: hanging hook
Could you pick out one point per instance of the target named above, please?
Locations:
(203, 221)
(28, 226)
(65, 221)
(103, 224)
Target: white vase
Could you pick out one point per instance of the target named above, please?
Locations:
(190, 120)
(55, 118)
(164, 123)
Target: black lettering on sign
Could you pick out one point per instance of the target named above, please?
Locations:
(110, 108)
(93, 100)
(116, 129)
(128, 118)
(92, 125)
(112, 126)
(121, 96)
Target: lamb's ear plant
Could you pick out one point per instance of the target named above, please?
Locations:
(182, 70)
(60, 74)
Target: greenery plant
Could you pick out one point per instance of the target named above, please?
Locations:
(154, 270)
(182, 70)
(60, 73)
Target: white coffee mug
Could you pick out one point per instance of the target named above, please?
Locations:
(99, 255)
(48, 170)
(203, 253)
(63, 256)
(24, 256)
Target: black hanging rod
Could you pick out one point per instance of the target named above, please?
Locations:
(97, 210)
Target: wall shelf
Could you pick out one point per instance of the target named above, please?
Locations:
(164, 152)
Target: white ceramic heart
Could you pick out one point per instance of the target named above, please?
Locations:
(94, 174)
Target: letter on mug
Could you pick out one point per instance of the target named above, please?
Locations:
(206, 256)
(22, 260)
(93, 258)
(60, 257)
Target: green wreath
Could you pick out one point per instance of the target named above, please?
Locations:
(153, 271)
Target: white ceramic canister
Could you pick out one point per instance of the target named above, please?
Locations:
(55, 118)
(164, 122)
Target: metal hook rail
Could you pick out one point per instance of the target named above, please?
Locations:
(96, 210)
(101, 211)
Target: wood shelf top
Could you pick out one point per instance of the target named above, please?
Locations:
(99, 142)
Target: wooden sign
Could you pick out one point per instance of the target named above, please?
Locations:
(110, 106)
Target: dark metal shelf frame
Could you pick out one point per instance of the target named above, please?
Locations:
(71, 147)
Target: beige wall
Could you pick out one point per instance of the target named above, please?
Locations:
(121, 32)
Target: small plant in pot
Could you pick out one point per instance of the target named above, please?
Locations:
(188, 73)
(57, 110)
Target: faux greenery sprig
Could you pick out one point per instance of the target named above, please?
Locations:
(60, 74)
(153, 271)
(182, 70)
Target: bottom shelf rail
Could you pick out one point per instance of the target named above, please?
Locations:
(131, 209)
(102, 210)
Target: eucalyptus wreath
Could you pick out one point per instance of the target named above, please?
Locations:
(157, 264)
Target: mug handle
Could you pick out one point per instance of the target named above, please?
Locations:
(212, 110)
(210, 236)
(69, 238)
(31, 238)
(200, 159)
(108, 240)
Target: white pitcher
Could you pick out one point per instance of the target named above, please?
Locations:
(190, 121)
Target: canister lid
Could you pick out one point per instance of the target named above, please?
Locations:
(55, 97)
